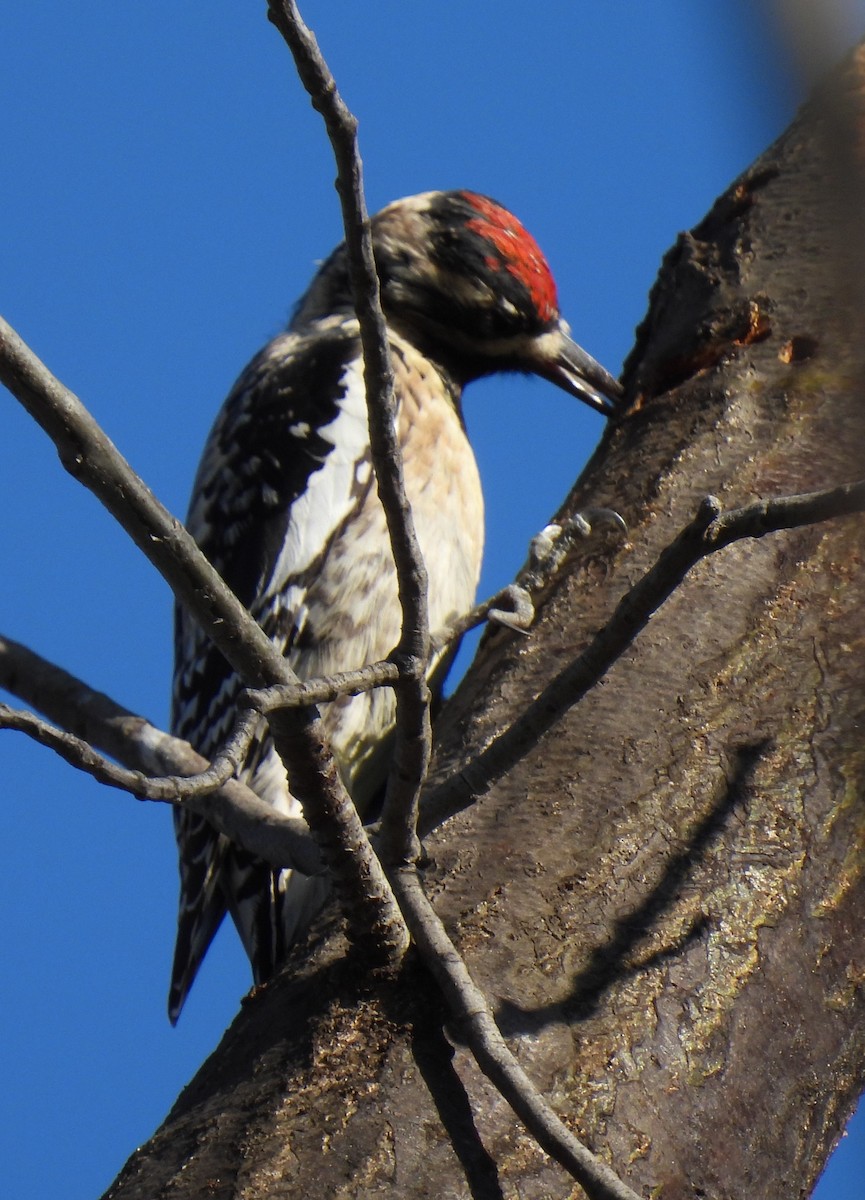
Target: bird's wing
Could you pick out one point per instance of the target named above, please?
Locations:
(279, 476)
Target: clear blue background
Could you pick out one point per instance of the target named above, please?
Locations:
(165, 191)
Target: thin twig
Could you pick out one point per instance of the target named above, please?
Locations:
(78, 753)
(99, 723)
(710, 531)
(90, 457)
(512, 606)
(476, 1023)
(318, 691)
(413, 741)
(182, 773)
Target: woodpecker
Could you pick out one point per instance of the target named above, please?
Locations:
(285, 507)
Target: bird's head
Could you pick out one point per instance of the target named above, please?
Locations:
(466, 282)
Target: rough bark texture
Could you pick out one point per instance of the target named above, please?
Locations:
(666, 897)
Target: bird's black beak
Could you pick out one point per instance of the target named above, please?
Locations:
(568, 366)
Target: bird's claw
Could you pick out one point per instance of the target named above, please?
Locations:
(520, 615)
(550, 548)
(593, 517)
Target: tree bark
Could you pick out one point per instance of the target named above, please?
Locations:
(665, 896)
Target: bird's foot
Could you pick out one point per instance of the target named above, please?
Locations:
(548, 552)
(550, 548)
(519, 615)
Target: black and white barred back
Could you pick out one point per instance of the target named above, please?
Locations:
(285, 507)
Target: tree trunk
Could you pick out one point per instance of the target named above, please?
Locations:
(664, 898)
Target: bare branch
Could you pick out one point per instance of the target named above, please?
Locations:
(413, 730)
(78, 753)
(91, 458)
(476, 1023)
(318, 691)
(98, 722)
(512, 606)
(785, 512)
(710, 530)
(153, 765)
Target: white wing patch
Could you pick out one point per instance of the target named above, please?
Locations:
(330, 493)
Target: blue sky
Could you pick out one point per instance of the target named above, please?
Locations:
(166, 191)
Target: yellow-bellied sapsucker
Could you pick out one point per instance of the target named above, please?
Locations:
(285, 507)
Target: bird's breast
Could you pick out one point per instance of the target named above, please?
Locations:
(443, 486)
(353, 612)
